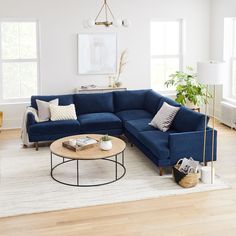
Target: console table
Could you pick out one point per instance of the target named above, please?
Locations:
(98, 90)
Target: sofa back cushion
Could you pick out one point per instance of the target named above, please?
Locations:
(93, 103)
(129, 100)
(153, 102)
(170, 102)
(188, 120)
(63, 99)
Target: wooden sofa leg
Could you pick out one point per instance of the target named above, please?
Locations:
(161, 171)
(205, 163)
(36, 144)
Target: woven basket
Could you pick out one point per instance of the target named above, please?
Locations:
(185, 180)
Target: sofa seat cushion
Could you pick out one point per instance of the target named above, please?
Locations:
(99, 121)
(134, 115)
(136, 126)
(157, 142)
(55, 127)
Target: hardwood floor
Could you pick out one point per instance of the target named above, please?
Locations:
(208, 213)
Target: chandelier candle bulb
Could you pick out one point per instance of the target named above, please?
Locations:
(117, 22)
(126, 23)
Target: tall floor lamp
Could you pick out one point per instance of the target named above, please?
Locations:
(210, 73)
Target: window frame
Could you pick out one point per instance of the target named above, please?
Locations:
(179, 56)
(37, 60)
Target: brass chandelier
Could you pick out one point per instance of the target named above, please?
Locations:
(109, 20)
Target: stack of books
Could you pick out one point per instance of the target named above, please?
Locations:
(80, 144)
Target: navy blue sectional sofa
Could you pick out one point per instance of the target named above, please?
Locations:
(129, 113)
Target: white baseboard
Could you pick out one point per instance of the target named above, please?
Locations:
(11, 124)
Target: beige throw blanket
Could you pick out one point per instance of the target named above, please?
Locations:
(24, 133)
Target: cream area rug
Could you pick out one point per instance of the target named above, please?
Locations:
(27, 187)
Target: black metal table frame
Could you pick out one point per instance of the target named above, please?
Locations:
(66, 160)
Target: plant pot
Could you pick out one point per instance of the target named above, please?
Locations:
(106, 145)
(190, 105)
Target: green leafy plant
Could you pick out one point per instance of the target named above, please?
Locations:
(188, 88)
(106, 138)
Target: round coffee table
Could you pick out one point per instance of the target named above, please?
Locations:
(90, 154)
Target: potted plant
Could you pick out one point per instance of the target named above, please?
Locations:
(189, 92)
(106, 143)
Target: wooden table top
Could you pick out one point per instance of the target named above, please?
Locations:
(92, 153)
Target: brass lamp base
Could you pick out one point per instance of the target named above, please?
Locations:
(213, 132)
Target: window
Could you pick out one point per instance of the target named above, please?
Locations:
(229, 88)
(19, 60)
(166, 51)
(233, 59)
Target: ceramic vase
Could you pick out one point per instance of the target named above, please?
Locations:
(106, 145)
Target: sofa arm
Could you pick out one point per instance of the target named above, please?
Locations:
(30, 120)
(190, 144)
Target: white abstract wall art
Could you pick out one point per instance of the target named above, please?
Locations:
(97, 54)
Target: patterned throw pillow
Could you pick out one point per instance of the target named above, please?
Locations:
(44, 110)
(63, 112)
(164, 117)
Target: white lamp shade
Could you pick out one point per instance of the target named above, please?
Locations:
(211, 73)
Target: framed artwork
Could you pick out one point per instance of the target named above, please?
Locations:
(97, 54)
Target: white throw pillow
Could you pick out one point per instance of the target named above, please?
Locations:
(44, 110)
(164, 117)
(63, 112)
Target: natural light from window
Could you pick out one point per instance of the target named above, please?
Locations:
(19, 60)
(166, 51)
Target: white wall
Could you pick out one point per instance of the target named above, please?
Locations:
(61, 20)
(219, 10)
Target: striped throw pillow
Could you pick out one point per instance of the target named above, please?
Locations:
(164, 117)
(63, 112)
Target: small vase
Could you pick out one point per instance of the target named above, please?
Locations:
(106, 145)
(118, 84)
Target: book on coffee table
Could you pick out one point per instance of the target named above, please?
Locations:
(81, 144)
(85, 141)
